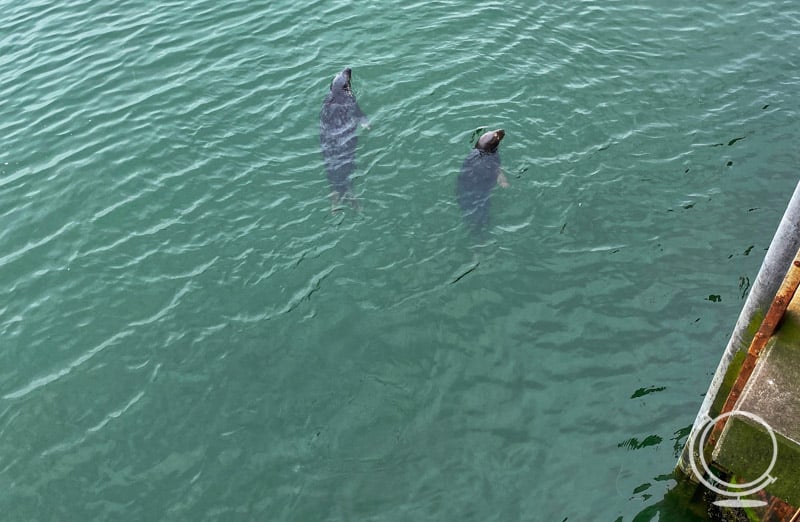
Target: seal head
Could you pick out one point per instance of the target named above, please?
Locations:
(341, 83)
(489, 141)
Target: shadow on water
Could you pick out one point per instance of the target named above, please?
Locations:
(690, 502)
(680, 504)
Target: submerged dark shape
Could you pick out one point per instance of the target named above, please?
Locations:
(338, 121)
(479, 174)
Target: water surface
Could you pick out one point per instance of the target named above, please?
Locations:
(188, 332)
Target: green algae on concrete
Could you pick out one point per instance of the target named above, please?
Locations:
(736, 363)
(746, 450)
(727, 382)
(773, 394)
(788, 332)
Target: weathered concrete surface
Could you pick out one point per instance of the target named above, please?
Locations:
(773, 394)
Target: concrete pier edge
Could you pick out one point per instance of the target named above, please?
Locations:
(781, 252)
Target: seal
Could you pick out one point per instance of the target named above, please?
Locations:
(480, 172)
(338, 121)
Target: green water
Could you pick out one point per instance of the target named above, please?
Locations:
(188, 333)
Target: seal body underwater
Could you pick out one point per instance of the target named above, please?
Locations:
(338, 122)
(480, 172)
